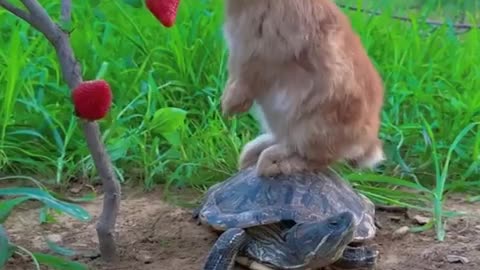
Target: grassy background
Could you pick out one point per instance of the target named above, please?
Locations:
(432, 105)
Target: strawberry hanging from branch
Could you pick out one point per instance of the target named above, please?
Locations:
(164, 10)
(92, 99)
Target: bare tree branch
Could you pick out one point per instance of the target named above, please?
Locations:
(111, 190)
(40, 20)
(24, 15)
(66, 11)
(462, 26)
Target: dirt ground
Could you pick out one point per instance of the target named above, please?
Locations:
(157, 235)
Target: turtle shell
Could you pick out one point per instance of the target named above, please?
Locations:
(245, 200)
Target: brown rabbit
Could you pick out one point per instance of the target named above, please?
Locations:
(318, 93)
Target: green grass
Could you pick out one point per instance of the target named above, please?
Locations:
(38, 193)
(432, 102)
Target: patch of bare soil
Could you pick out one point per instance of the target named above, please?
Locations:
(420, 251)
(156, 235)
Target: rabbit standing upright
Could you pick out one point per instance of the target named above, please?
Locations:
(319, 95)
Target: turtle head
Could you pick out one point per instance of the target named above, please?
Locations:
(321, 243)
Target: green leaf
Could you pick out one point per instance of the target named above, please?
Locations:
(7, 206)
(85, 198)
(173, 138)
(94, 3)
(6, 250)
(134, 3)
(167, 120)
(370, 177)
(103, 70)
(474, 199)
(58, 263)
(45, 216)
(66, 27)
(38, 194)
(422, 228)
(59, 249)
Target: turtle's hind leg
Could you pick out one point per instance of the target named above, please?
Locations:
(357, 258)
(224, 252)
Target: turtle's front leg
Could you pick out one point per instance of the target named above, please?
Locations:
(224, 252)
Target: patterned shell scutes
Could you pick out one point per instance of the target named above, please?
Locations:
(245, 200)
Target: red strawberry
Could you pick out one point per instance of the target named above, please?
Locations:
(92, 99)
(164, 10)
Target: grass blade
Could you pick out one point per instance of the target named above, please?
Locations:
(6, 250)
(7, 206)
(58, 263)
(59, 249)
(43, 196)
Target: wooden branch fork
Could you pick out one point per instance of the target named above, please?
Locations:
(38, 18)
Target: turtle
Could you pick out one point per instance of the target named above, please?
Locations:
(304, 220)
